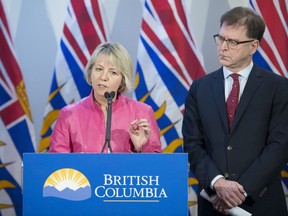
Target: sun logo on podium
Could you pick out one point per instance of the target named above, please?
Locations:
(68, 184)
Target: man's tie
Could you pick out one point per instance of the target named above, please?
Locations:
(232, 101)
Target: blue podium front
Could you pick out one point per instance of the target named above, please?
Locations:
(105, 184)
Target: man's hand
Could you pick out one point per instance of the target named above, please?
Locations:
(230, 193)
(219, 206)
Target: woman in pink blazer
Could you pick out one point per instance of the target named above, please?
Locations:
(81, 127)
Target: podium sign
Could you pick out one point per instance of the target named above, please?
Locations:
(105, 184)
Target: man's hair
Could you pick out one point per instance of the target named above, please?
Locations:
(243, 16)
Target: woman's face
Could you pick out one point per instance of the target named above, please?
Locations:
(105, 77)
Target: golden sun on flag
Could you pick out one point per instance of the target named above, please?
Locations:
(67, 178)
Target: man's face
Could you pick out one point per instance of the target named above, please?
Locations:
(238, 57)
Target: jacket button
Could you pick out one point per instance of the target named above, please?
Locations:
(226, 175)
(229, 148)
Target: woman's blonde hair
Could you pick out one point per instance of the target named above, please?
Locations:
(118, 56)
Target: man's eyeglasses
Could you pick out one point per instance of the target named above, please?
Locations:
(219, 40)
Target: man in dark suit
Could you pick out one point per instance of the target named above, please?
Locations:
(235, 127)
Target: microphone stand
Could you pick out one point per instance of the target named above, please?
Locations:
(109, 97)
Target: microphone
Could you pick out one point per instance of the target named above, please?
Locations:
(109, 97)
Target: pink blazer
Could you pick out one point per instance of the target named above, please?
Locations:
(80, 127)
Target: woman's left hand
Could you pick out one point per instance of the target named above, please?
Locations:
(139, 131)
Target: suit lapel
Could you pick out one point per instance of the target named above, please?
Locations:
(252, 84)
(219, 94)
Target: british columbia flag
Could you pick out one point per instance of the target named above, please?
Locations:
(273, 51)
(168, 61)
(83, 30)
(17, 135)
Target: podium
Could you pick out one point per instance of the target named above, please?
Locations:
(105, 184)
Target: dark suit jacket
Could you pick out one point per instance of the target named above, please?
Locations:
(253, 152)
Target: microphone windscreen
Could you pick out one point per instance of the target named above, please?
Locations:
(112, 94)
(107, 95)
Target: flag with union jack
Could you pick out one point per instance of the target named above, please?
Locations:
(273, 51)
(168, 61)
(83, 30)
(17, 135)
